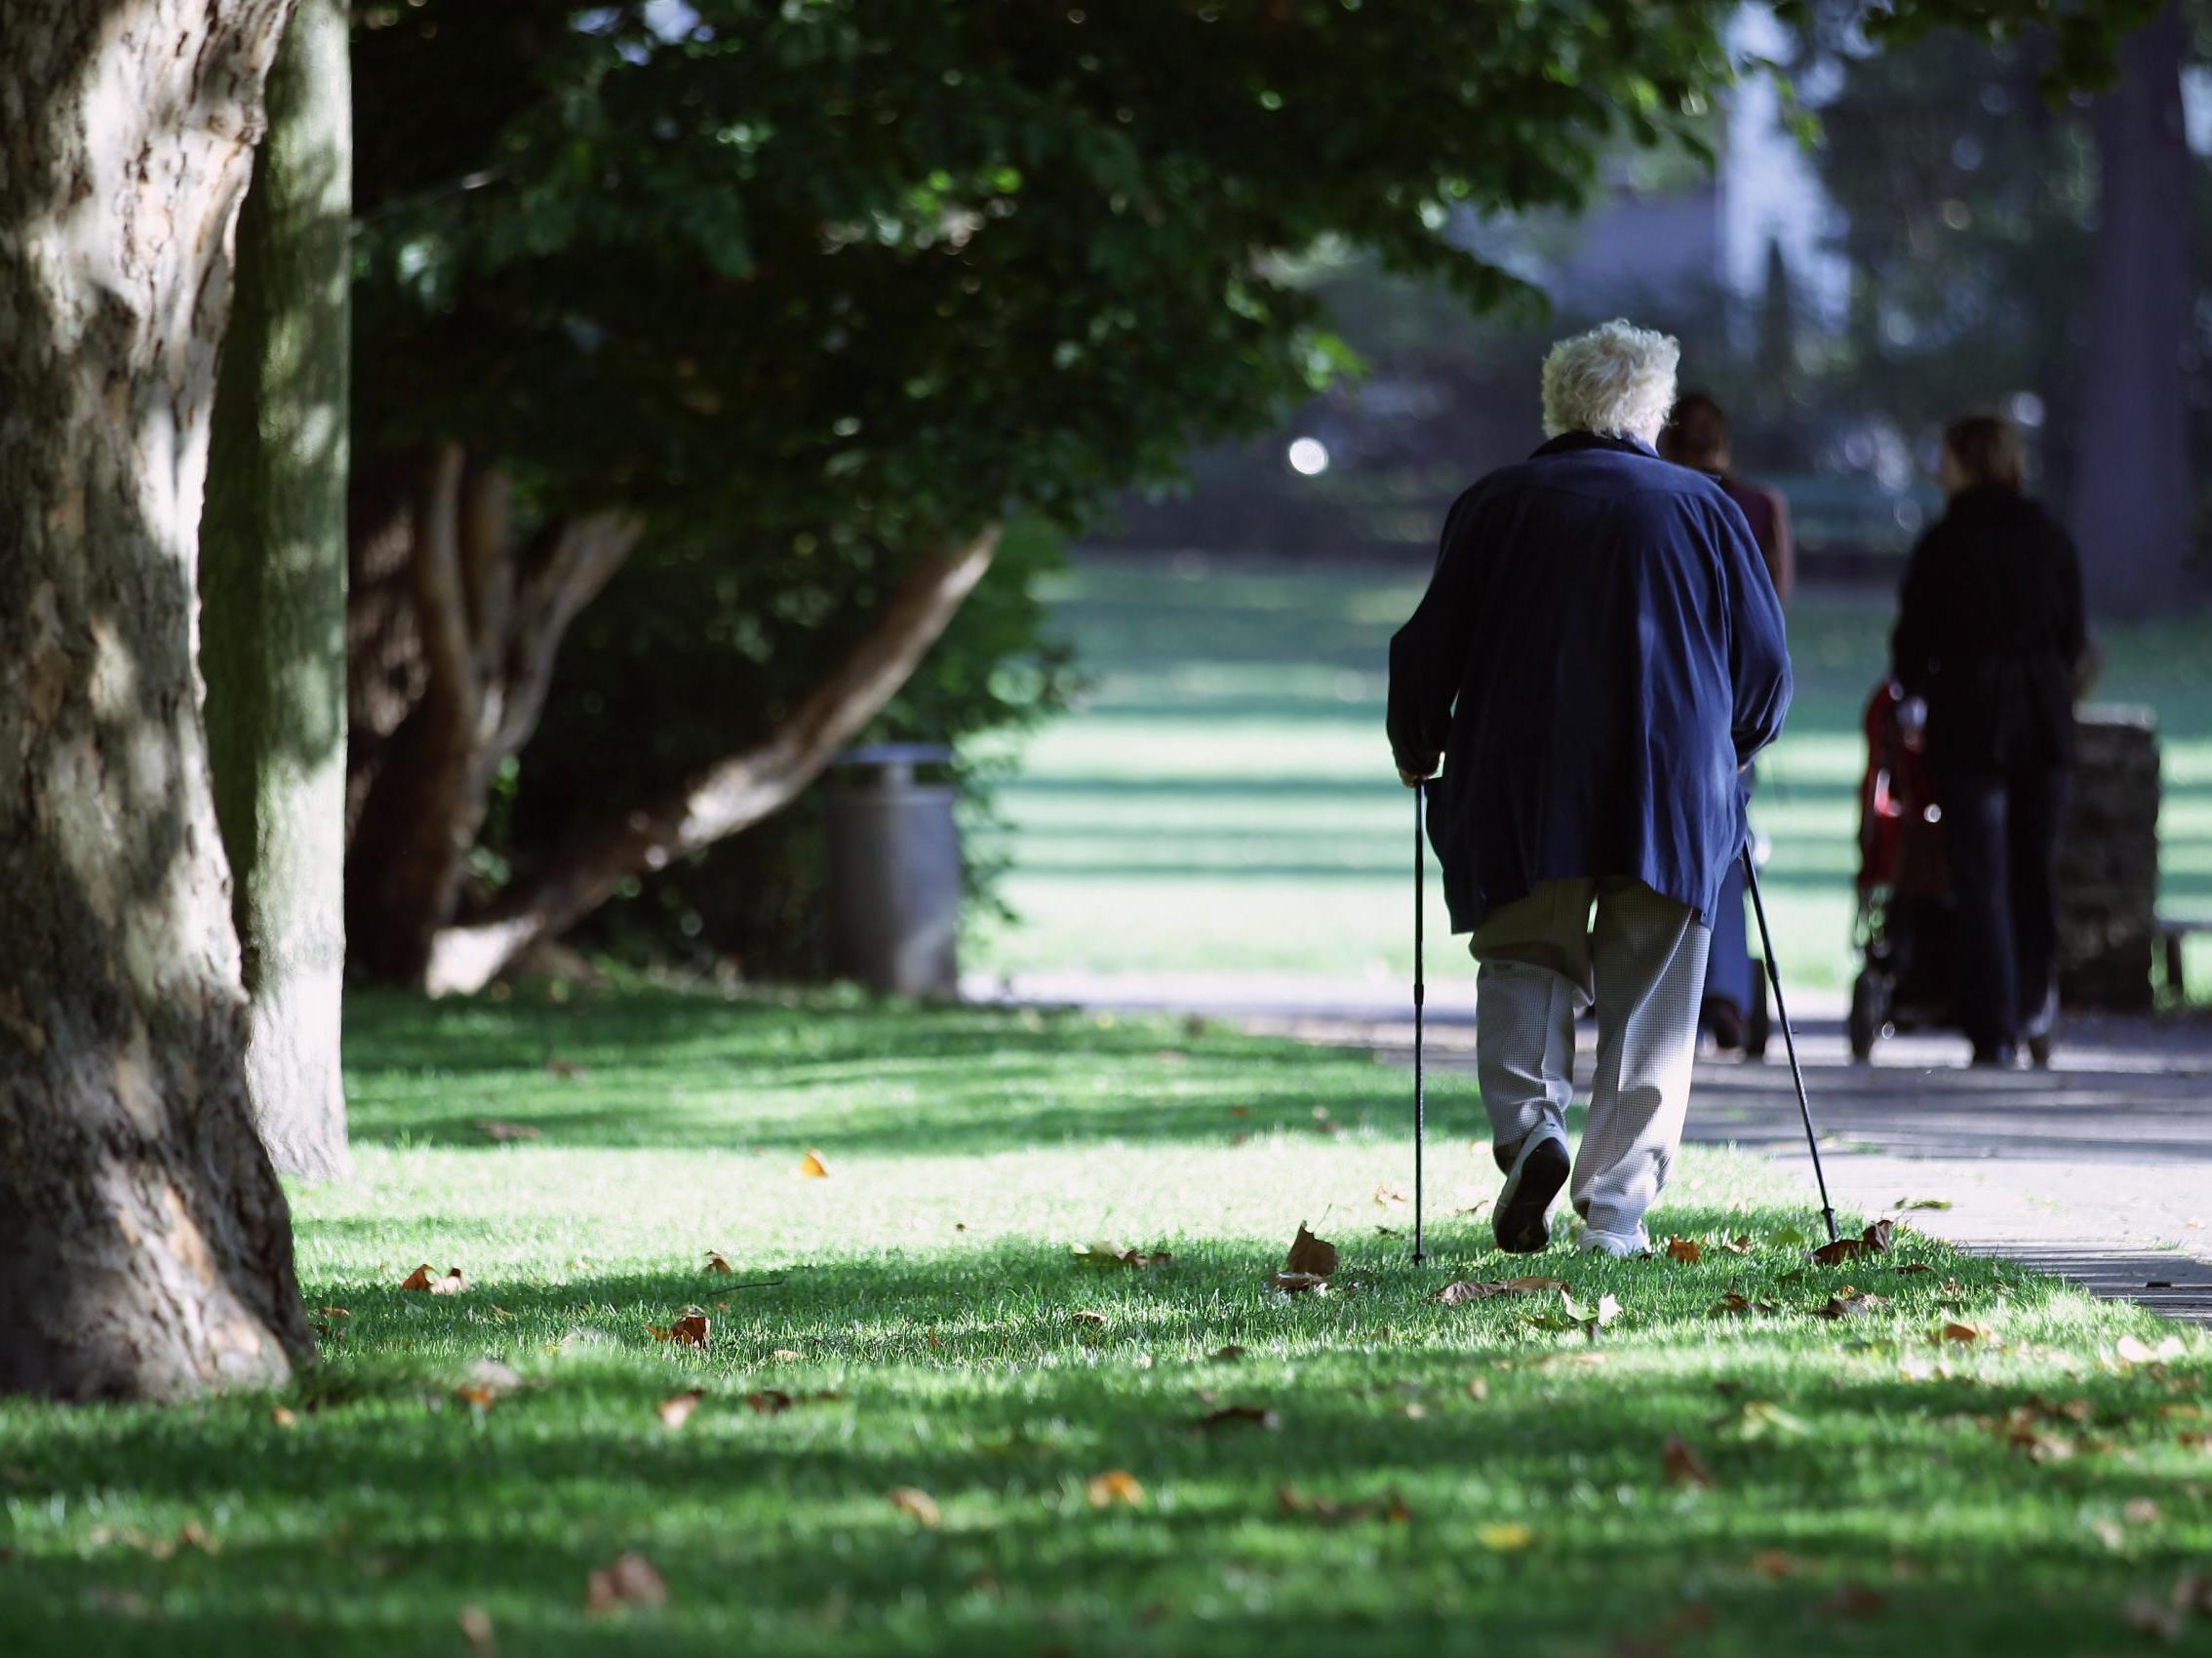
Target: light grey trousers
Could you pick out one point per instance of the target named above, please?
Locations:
(1543, 960)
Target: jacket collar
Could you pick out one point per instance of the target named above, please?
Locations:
(1566, 442)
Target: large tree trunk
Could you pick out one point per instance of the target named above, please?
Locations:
(455, 647)
(146, 1250)
(2131, 495)
(730, 794)
(272, 591)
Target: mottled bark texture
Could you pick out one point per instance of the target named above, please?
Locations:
(720, 799)
(272, 594)
(456, 625)
(2131, 496)
(145, 1248)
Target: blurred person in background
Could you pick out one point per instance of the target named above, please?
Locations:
(1697, 437)
(1990, 636)
(1597, 655)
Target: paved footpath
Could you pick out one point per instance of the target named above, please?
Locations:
(2099, 1169)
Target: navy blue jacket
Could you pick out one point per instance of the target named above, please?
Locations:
(1598, 654)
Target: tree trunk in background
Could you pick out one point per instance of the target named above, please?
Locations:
(720, 799)
(145, 1247)
(2132, 506)
(454, 643)
(273, 592)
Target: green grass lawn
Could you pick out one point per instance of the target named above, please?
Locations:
(1224, 800)
(1436, 1479)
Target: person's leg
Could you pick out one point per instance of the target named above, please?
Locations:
(1974, 840)
(1729, 981)
(1535, 972)
(2037, 815)
(1648, 954)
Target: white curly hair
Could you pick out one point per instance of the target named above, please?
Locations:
(1618, 381)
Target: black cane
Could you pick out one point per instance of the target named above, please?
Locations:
(1420, 995)
(1788, 1037)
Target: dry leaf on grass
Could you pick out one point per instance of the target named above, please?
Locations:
(1112, 1254)
(1684, 1466)
(1849, 1303)
(501, 1133)
(693, 1330)
(1854, 1599)
(1093, 1320)
(812, 1167)
(770, 1401)
(488, 1382)
(476, 1629)
(1391, 1507)
(1309, 1255)
(1297, 1284)
(1465, 1289)
(676, 1409)
(1875, 1241)
(1736, 1302)
(1242, 1416)
(1228, 1354)
(1116, 1487)
(1740, 1244)
(1911, 1268)
(2131, 1351)
(917, 1504)
(787, 1356)
(630, 1581)
(452, 1284)
(1958, 1332)
(1687, 1250)
(1389, 1197)
(718, 1262)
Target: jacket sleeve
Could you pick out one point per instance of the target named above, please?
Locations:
(2072, 625)
(1759, 646)
(1428, 653)
(1782, 556)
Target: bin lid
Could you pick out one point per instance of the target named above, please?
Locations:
(896, 754)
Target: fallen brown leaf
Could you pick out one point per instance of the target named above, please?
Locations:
(476, 1629)
(917, 1504)
(1228, 1354)
(1849, 1303)
(770, 1401)
(1453, 1295)
(1094, 1319)
(693, 1330)
(1389, 1197)
(1962, 1333)
(630, 1581)
(1684, 1466)
(1298, 1284)
(1309, 1255)
(1242, 1416)
(1875, 1241)
(812, 1167)
(718, 1262)
(1740, 1244)
(501, 1133)
(676, 1409)
(1854, 1599)
(1911, 1268)
(787, 1356)
(452, 1284)
(1112, 1254)
(1116, 1486)
(1687, 1250)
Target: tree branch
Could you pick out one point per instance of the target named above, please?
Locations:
(719, 800)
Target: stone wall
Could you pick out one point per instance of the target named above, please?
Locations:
(2109, 862)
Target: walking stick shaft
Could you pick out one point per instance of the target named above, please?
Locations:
(1788, 1036)
(1420, 997)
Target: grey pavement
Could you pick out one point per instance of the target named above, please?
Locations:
(2097, 1170)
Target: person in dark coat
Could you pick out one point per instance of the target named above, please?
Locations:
(1697, 436)
(1990, 636)
(1598, 654)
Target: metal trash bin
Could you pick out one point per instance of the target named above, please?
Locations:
(894, 876)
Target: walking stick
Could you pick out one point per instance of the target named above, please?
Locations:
(1420, 996)
(1788, 1037)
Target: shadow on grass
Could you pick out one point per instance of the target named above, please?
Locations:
(391, 1504)
(663, 1069)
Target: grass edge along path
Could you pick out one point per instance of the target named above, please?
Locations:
(925, 1423)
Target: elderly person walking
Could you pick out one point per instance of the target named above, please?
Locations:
(1599, 655)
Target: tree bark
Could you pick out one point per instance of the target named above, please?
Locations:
(720, 799)
(2131, 496)
(273, 592)
(468, 649)
(145, 1247)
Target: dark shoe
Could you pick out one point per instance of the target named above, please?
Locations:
(2004, 1057)
(1725, 1024)
(1521, 1222)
